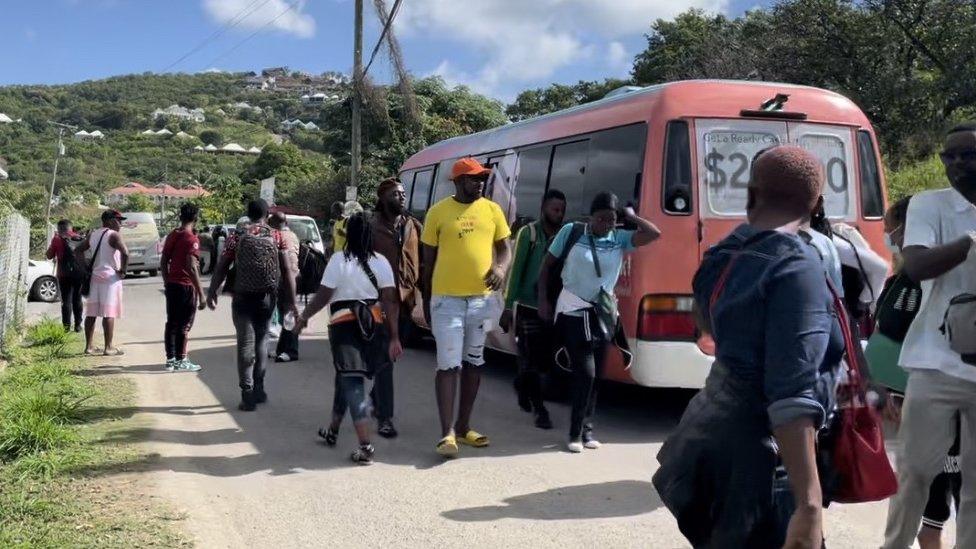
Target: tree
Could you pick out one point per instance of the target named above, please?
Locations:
(532, 103)
(211, 137)
(138, 203)
(224, 202)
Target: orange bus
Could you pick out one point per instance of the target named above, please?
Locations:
(681, 151)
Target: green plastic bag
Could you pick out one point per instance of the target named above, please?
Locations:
(882, 354)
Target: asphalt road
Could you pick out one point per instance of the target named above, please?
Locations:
(263, 479)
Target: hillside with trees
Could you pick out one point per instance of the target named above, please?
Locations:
(311, 166)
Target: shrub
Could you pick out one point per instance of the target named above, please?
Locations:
(47, 332)
(913, 178)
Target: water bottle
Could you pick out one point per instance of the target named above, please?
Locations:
(288, 322)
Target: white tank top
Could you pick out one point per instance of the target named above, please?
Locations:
(108, 260)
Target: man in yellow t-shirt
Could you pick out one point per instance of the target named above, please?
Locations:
(466, 256)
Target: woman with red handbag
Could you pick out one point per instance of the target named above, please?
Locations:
(740, 470)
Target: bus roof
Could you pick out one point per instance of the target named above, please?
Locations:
(688, 98)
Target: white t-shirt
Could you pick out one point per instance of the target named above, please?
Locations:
(936, 218)
(349, 280)
(855, 252)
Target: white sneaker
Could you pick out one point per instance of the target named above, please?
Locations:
(170, 364)
(284, 357)
(575, 446)
(592, 444)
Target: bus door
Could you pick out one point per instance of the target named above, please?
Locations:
(725, 149)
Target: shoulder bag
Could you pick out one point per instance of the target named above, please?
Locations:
(86, 278)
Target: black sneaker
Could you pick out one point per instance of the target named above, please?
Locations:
(386, 429)
(523, 399)
(331, 436)
(363, 455)
(542, 419)
(247, 402)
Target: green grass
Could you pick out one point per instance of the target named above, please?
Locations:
(916, 177)
(64, 478)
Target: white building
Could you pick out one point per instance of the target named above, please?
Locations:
(164, 133)
(233, 148)
(4, 119)
(176, 111)
(289, 125)
(254, 150)
(3, 174)
(312, 99)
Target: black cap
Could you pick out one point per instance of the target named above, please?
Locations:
(109, 215)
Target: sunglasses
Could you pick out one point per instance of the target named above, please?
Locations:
(950, 157)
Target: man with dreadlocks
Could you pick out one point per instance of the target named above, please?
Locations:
(396, 236)
(362, 333)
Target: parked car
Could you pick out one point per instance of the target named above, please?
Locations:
(304, 227)
(141, 236)
(41, 282)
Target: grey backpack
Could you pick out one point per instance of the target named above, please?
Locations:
(256, 261)
(959, 326)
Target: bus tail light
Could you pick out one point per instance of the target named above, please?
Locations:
(667, 317)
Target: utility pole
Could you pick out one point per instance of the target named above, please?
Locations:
(54, 177)
(357, 70)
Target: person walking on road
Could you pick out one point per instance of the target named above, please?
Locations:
(287, 348)
(349, 209)
(585, 311)
(466, 257)
(746, 442)
(939, 350)
(535, 338)
(70, 273)
(110, 257)
(259, 256)
(180, 265)
(363, 334)
(396, 236)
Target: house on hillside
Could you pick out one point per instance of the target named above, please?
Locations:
(86, 136)
(183, 113)
(233, 148)
(274, 71)
(160, 194)
(4, 119)
(164, 133)
(289, 125)
(315, 98)
(3, 170)
(254, 150)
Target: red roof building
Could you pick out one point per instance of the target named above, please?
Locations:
(163, 192)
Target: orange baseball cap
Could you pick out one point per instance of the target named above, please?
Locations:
(468, 166)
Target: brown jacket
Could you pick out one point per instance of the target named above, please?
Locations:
(400, 245)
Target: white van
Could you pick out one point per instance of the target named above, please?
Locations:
(141, 236)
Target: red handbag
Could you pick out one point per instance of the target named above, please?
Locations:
(860, 460)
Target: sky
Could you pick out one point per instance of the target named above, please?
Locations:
(497, 47)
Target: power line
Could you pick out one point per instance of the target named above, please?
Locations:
(255, 33)
(236, 20)
(386, 30)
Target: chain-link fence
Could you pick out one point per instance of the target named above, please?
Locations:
(14, 246)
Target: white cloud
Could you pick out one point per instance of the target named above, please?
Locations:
(522, 41)
(245, 14)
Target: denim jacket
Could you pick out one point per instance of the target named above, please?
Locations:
(778, 344)
(774, 324)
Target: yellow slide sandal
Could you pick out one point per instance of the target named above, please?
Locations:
(447, 447)
(474, 439)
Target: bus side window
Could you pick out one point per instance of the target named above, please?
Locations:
(615, 164)
(677, 169)
(531, 183)
(443, 186)
(568, 174)
(421, 192)
(406, 178)
(872, 204)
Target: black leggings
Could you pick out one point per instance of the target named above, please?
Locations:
(181, 309)
(587, 354)
(70, 301)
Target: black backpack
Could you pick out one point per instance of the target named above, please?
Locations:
(311, 267)
(70, 266)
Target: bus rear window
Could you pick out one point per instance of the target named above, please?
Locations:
(677, 169)
(872, 203)
(421, 191)
(727, 148)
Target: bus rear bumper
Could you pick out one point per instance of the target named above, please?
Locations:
(678, 364)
